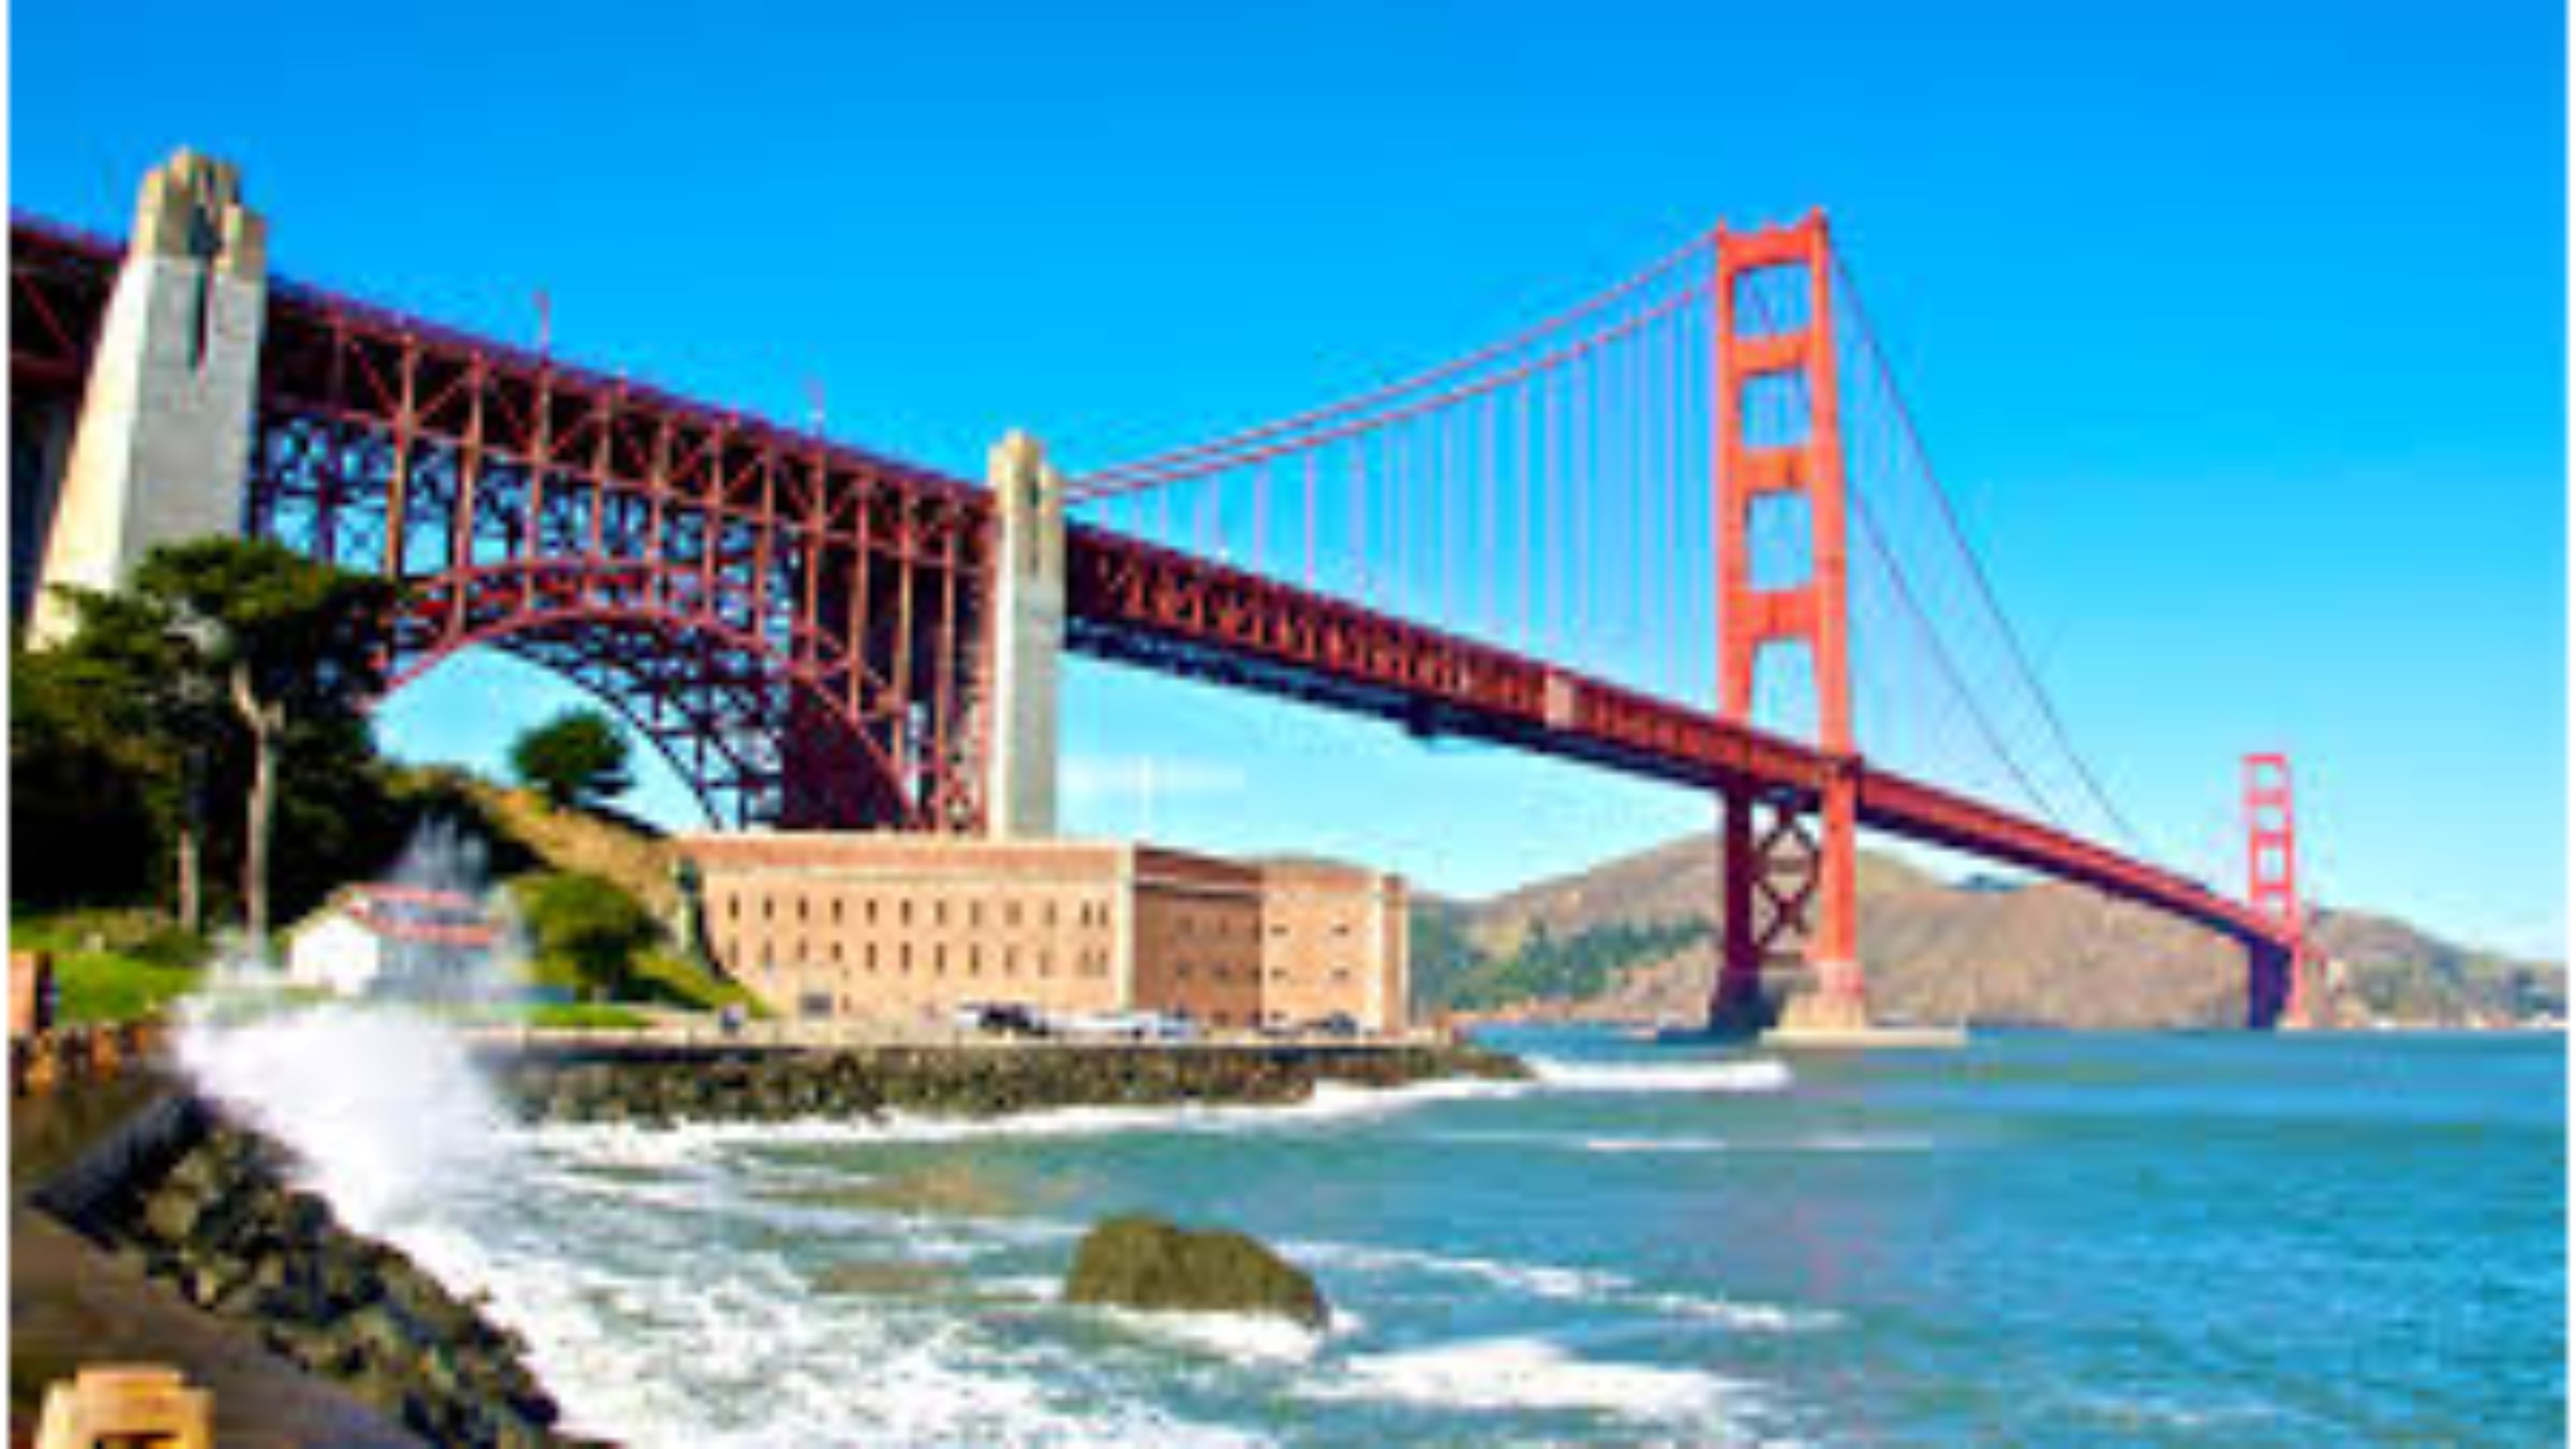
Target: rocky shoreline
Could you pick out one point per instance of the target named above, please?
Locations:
(867, 1083)
(223, 1227)
(207, 1206)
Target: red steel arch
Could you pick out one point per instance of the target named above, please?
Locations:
(798, 626)
(716, 706)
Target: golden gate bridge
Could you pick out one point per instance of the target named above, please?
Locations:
(1686, 529)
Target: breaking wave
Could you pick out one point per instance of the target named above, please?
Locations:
(1761, 1074)
(1515, 1373)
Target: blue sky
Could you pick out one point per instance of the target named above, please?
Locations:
(2236, 329)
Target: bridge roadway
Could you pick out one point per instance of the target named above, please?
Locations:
(1143, 605)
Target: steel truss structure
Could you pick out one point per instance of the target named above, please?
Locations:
(804, 628)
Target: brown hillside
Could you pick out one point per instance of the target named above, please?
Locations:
(2042, 954)
(633, 860)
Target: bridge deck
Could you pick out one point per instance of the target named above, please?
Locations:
(1144, 605)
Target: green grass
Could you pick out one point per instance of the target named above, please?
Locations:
(668, 978)
(129, 965)
(662, 978)
(584, 1016)
(112, 965)
(104, 987)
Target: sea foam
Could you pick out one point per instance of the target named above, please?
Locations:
(1514, 1373)
(1760, 1074)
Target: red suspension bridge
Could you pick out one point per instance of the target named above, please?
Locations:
(1686, 530)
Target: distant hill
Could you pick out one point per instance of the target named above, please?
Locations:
(1631, 939)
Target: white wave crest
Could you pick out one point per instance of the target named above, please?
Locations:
(1533, 1374)
(383, 1109)
(1236, 1337)
(1760, 1074)
(1743, 1317)
(1535, 1280)
(684, 1143)
(1562, 1284)
(737, 1353)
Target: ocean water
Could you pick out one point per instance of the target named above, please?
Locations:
(2035, 1240)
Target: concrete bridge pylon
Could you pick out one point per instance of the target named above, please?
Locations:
(161, 452)
(1028, 638)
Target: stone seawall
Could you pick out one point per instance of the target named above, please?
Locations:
(716, 1085)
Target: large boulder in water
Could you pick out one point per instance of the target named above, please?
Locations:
(1134, 1261)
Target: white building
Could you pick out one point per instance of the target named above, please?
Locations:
(385, 939)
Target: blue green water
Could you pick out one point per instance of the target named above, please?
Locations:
(2036, 1240)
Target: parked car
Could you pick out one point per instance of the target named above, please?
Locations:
(1012, 1018)
(1130, 1026)
(1339, 1025)
(998, 1018)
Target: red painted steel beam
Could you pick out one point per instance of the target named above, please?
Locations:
(1141, 604)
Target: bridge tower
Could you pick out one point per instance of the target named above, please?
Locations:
(1779, 444)
(1027, 638)
(161, 453)
(2278, 978)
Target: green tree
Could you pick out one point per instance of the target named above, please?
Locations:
(589, 924)
(85, 787)
(576, 758)
(133, 685)
(287, 648)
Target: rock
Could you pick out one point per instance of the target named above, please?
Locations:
(172, 1212)
(224, 1228)
(1135, 1261)
(880, 1278)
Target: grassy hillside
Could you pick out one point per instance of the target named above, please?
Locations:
(625, 852)
(126, 964)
